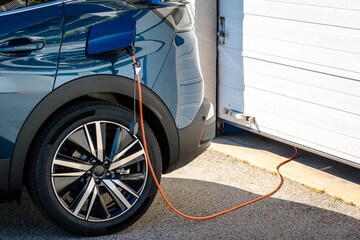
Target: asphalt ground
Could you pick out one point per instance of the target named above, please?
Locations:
(211, 183)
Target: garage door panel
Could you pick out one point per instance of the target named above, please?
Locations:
(232, 64)
(315, 144)
(289, 108)
(353, 5)
(302, 53)
(319, 146)
(304, 13)
(303, 33)
(297, 110)
(295, 66)
(306, 135)
(313, 135)
(314, 79)
(314, 95)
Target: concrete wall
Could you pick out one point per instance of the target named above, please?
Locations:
(205, 28)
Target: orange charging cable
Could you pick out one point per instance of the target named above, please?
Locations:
(158, 185)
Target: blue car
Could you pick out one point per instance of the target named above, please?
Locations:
(67, 104)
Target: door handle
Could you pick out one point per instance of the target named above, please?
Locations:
(27, 47)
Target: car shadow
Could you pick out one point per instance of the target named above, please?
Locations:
(255, 141)
(269, 218)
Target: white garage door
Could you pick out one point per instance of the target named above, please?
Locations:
(291, 69)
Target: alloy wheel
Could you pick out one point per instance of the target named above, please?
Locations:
(99, 171)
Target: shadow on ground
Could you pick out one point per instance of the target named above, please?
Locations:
(251, 140)
(268, 219)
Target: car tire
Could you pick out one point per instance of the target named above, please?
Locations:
(88, 173)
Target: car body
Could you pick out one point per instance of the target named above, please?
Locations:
(45, 67)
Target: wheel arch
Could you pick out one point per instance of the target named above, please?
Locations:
(106, 87)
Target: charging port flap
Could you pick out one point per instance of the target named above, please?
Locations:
(111, 37)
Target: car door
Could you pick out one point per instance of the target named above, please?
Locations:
(30, 39)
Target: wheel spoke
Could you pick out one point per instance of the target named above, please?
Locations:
(132, 177)
(133, 158)
(89, 188)
(125, 149)
(91, 204)
(117, 194)
(70, 174)
(72, 164)
(91, 144)
(126, 187)
(100, 139)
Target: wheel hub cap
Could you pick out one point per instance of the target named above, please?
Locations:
(99, 170)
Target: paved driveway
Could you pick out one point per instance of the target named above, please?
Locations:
(211, 183)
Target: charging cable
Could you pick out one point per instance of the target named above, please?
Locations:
(137, 69)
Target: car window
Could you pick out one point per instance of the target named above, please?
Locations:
(7, 5)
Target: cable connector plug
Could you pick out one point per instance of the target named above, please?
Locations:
(137, 67)
(130, 50)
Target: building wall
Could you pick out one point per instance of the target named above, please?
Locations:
(206, 28)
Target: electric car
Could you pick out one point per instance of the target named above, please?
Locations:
(67, 102)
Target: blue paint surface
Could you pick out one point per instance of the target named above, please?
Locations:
(25, 80)
(180, 83)
(170, 64)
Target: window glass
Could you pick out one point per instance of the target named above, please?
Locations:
(7, 5)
